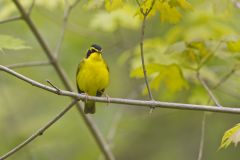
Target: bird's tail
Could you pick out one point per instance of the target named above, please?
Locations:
(89, 107)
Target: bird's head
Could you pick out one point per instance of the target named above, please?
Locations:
(94, 49)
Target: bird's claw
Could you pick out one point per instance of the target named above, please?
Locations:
(86, 97)
(107, 96)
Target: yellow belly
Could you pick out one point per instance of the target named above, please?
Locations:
(93, 76)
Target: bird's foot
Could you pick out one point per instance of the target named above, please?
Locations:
(86, 97)
(107, 96)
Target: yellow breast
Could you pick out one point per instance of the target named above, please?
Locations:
(93, 74)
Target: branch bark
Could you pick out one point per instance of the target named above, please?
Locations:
(67, 12)
(210, 93)
(97, 135)
(145, 14)
(29, 64)
(10, 19)
(138, 103)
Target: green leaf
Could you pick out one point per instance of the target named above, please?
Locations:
(168, 13)
(173, 78)
(231, 136)
(234, 46)
(8, 42)
(198, 95)
(145, 6)
(169, 75)
(150, 68)
(184, 4)
(112, 5)
(221, 7)
(110, 22)
(168, 10)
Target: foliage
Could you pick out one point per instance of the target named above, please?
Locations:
(9, 42)
(170, 75)
(118, 18)
(181, 38)
(234, 46)
(111, 5)
(231, 136)
(167, 9)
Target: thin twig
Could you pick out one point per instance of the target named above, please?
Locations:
(131, 102)
(10, 19)
(211, 95)
(201, 146)
(145, 14)
(96, 133)
(227, 76)
(67, 11)
(211, 54)
(57, 89)
(29, 64)
(31, 8)
(39, 132)
(142, 59)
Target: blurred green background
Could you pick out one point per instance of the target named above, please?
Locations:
(134, 133)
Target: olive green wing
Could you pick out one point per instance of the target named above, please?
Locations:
(78, 69)
(106, 65)
(100, 92)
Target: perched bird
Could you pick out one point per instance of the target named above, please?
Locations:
(92, 76)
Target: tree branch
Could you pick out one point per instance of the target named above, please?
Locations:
(211, 95)
(10, 19)
(39, 132)
(31, 7)
(201, 146)
(97, 135)
(227, 76)
(145, 14)
(29, 64)
(67, 12)
(137, 103)
(142, 59)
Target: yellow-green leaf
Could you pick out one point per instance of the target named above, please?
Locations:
(112, 5)
(231, 136)
(150, 68)
(110, 22)
(155, 83)
(169, 75)
(234, 46)
(8, 42)
(168, 13)
(184, 4)
(145, 6)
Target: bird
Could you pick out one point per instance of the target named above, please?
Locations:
(92, 76)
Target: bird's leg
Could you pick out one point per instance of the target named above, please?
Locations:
(101, 92)
(107, 96)
(86, 97)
